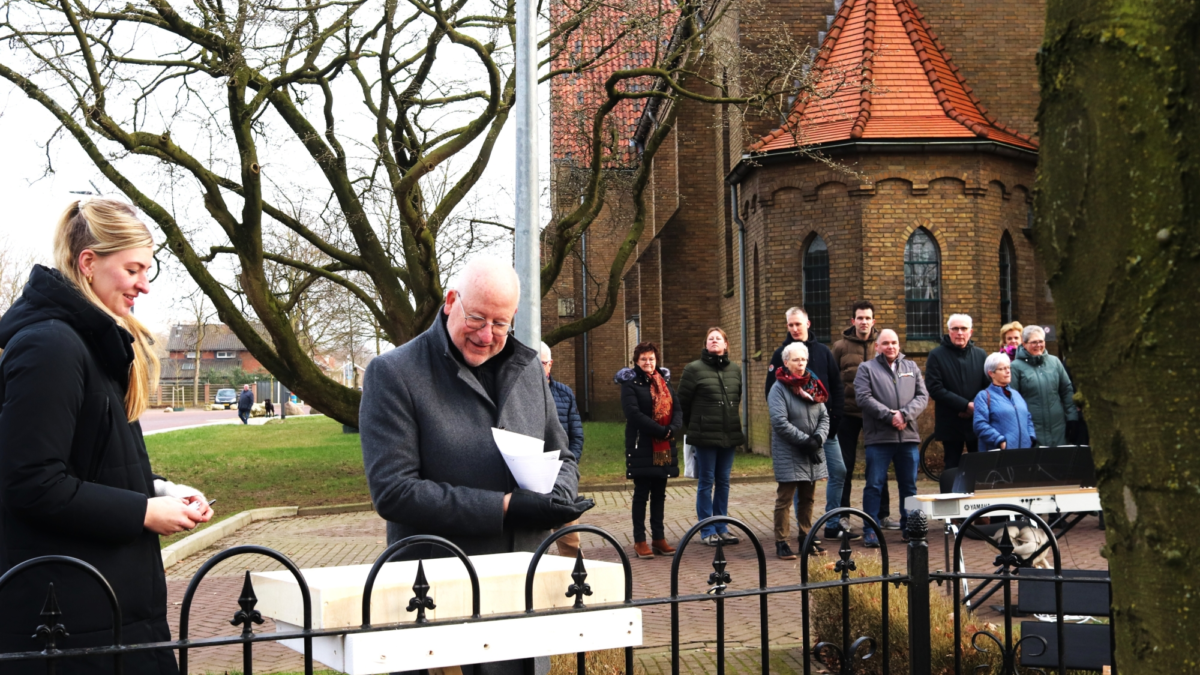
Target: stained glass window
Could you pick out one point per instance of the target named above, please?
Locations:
(816, 289)
(922, 287)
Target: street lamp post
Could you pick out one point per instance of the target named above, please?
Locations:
(526, 247)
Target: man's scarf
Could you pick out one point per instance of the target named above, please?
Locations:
(663, 411)
(807, 386)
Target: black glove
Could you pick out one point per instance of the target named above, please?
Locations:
(811, 447)
(536, 511)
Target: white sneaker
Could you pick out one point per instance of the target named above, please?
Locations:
(889, 524)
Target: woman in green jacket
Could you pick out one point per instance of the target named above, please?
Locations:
(1042, 381)
(710, 394)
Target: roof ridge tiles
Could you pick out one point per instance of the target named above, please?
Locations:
(957, 71)
(910, 21)
(868, 72)
(823, 52)
(905, 105)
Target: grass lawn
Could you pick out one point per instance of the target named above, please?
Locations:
(604, 456)
(310, 462)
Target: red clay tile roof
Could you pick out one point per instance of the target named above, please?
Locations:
(883, 74)
(575, 97)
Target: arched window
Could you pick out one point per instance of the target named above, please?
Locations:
(922, 287)
(1008, 288)
(816, 288)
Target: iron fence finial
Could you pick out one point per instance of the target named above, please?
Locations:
(579, 588)
(421, 601)
(51, 628)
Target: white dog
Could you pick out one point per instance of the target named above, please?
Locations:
(1026, 539)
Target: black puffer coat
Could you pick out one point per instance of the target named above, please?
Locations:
(74, 481)
(710, 392)
(641, 429)
(953, 376)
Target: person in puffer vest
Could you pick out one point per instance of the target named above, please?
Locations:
(710, 392)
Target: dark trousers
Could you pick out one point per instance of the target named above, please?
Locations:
(244, 415)
(953, 450)
(848, 433)
(654, 489)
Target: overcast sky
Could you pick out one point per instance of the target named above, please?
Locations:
(33, 203)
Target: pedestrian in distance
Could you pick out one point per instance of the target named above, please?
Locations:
(954, 374)
(822, 364)
(75, 479)
(245, 404)
(892, 395)
(653, 419)
(568, 417)
(799, 427)
(1002, 420)
(710, 394)
(1043, 381)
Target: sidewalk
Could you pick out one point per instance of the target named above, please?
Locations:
(357, 538)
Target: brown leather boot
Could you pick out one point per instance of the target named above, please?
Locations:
(661, 547)
(642, 549)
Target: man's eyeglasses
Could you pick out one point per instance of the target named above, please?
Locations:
(476, 323)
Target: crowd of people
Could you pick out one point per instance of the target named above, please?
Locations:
(75, 478)
(820, 400)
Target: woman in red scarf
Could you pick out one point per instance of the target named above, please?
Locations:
(653, 418)
(799, 427)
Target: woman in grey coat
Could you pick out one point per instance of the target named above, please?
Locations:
(799, 425)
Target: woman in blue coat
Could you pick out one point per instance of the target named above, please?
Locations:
(1002, 418)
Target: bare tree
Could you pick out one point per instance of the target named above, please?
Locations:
(14, 272)
(200, 312)
(392, 108)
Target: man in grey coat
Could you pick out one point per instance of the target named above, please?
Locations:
(891, 393)
(426, 422)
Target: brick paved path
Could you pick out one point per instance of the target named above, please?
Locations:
(344, 539)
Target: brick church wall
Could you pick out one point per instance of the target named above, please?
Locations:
(965, 201)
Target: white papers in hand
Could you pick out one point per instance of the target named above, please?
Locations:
(534, 467)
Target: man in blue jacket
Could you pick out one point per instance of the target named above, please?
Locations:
(568, 417)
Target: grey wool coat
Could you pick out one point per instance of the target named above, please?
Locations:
(792, 422)
(426, 427)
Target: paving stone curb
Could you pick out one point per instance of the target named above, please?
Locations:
(201, 540)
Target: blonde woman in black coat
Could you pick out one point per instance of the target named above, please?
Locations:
(653, 419)
(75, 478)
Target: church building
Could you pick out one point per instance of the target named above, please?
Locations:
(927, 213)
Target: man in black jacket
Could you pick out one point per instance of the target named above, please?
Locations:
(822, 364)
(954, 375)
(245, 403)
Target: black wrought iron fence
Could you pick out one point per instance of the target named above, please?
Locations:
(844, 654)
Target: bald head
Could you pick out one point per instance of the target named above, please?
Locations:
(888, 344)
(480, 307)
(488, 278)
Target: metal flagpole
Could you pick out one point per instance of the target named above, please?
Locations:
(526, 248)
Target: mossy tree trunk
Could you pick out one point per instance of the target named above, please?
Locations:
(1117, 206)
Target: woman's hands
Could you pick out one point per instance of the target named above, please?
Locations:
(168, 515)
